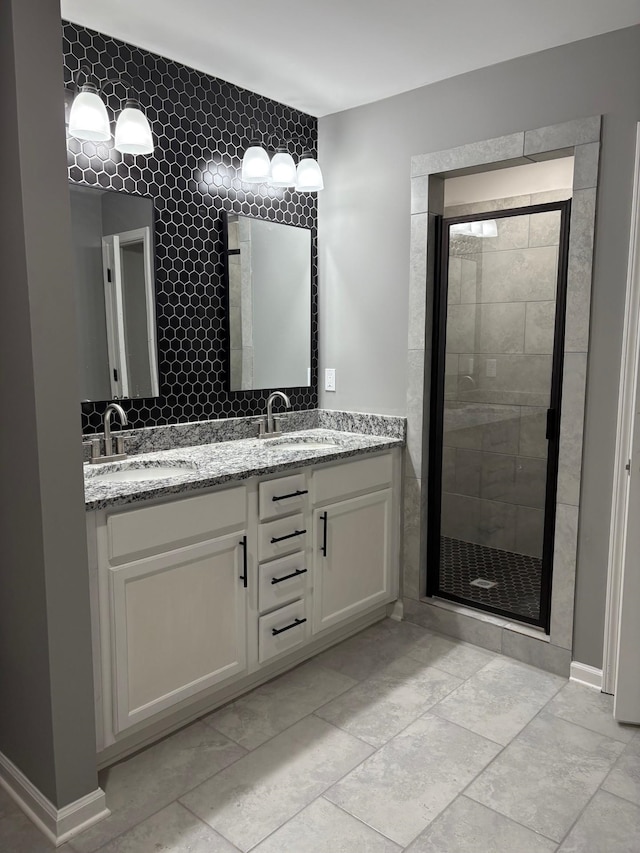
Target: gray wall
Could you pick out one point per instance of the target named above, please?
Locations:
(46, 710)
(364, 244)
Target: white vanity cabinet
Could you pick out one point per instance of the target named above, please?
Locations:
(196, 599)
(353, 539)
(173, 582)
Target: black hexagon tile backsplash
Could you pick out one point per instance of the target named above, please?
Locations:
(201, 126)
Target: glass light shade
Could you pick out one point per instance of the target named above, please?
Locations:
(88, 118)
(133, 133)
(256, 166)
(309, 176)
(283, 170)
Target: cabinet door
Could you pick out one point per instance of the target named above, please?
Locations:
(178, 624)
(352, 558)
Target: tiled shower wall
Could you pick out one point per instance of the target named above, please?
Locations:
(202, 126)
(500, 332)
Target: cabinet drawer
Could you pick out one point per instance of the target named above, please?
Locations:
(290, 535)
(283, 496)
(154, 529)
(282, 630)
(281, 581)
(350, 478)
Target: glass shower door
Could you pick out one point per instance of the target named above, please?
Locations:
(497, 378)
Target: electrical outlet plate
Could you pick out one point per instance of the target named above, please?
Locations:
(329, 379)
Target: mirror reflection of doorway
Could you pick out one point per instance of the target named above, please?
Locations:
(497, 377)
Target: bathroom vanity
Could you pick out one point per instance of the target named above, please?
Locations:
(238, 561)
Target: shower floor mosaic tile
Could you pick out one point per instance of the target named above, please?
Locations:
(516, 577)
(397, 739)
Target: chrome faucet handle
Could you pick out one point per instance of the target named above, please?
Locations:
(94, 444)
(277, 424)
(262, 426)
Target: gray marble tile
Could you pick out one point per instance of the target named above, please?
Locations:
(565, 549)
(174, 830)
(451, 370)
(513, 233)
(572, 428)
(579, 275)
(483, 632)
(325, 828)
(530, 482)
(468, 471)
(500, 699)
(420, 194)
(150, 780)
(402, 787)
(540, 327)
(463, 424)
(488, 205)
(520, 275)
(501, 428)
(546, 776)
(461, 328)
(475, 154)
(501, 327)
(468, 827)
(536, 652)
(607, 824)
(470, 272)
(460, 517)
(624, 778)
(449, 655)
(498, 477)
(544, 228)
(585, 168)
(19, 835)
(518, 380)
(366, 653)
(529, 531)
(589, 708)
(249, 800)
(414, 496)
(454, 280)
(533, 432)
(564, 135)
(380, 707)
(415, 411)
(497, 527)
(273, 707)
(552, 195)
(449, 469)
(418, 281)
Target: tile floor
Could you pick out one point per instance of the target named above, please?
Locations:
(397, 739)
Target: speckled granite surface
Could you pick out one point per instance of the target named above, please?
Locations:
(222, 461)
(152, 439)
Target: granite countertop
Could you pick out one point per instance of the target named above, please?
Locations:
(212, 464)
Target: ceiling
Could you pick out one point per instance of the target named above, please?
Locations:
(323, 57)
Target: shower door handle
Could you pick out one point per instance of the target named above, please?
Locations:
(552, 424)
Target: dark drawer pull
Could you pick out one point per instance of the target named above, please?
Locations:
(292, 575)
(295, 494)
(275, 539)
(244, 575)
(276, 631)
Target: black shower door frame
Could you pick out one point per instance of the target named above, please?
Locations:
(436, 421)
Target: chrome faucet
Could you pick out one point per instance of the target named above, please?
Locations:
(108, 440)
(270, 426)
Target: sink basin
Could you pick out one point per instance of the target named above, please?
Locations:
(137, 474)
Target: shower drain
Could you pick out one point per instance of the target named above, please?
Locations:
(483, 583)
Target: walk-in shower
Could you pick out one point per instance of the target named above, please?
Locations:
(496, 388)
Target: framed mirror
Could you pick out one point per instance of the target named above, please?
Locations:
(268, 272)
(114, 260)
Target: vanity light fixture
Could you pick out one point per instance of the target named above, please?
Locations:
(280, 170)
(89, 120)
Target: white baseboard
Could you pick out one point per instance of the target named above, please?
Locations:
(585, 674)
(395, 611)
(58, 825)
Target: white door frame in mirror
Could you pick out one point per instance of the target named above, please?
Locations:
(626, 458)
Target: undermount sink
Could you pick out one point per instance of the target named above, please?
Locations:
(135, 473)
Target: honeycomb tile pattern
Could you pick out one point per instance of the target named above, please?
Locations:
(517, 577)
(202, 126)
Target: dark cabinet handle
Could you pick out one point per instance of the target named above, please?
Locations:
(292, 575)
(295, 494)
(276, 631)
(275, 539)
(325, 518)
(243, 576)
